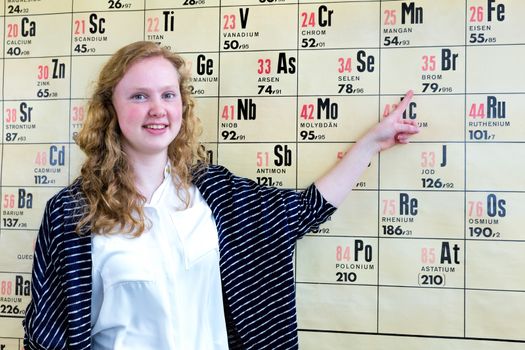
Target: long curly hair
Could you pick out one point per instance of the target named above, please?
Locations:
(107, 181)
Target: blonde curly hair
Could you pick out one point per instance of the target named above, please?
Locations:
(106, 178)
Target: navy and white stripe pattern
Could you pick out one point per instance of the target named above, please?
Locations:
(58, 316)
(257, 226)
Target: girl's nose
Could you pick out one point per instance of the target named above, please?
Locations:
(156, 110)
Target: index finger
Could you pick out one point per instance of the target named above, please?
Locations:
(402, 106)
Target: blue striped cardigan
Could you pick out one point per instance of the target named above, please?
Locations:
(258, 227)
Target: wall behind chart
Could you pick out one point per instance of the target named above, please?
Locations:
(426, 253)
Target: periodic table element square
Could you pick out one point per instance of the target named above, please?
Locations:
(338, 260)
(207, 110)
(84, 72)
(439, 117)
(495, 166)
(103, 33)
(423, 166)
(269, 164)
(371, 340)
(339, 72)
(315, 159)
(495, 117)
(38, 35)
(37, 78)
(107, 5)
(175, 29)
(211, 152)
(422, 23)
(338, 25)
(492, 69)
(1, 149)
(501, 273)
(204, 74)
(251, 3)
(331, 1)
(495, 314)
(495, 22)
(18, 247)
(77, 116)
(421, 311)
(356, 216)
(33, 121)
(2, 44)
(336, 308)
(45, 165)
(258, 28)
(177, 4)
(426, 263)
(258, 119)
(15, 8)
(22, 207)
(494, 215)
(11, 344)
(426, 70)
(268, 73)
(77, 159)
(2, 76)
(421, 214)
(15, 297)
(335, 118)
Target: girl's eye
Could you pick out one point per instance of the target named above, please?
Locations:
(169, 95)
(138, 97)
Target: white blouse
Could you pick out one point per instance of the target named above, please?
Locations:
(161, 290)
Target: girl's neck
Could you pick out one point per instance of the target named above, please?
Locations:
(149, 173)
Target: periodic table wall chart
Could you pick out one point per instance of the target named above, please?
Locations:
(428, 252)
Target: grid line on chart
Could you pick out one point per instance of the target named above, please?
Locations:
(71, 141)
(411, 335)
(465, 183)
(378, 316)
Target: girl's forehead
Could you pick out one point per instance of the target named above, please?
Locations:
(152, 70)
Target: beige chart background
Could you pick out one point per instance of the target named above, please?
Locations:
(427, 252)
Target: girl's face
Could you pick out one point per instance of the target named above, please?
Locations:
(149, 107)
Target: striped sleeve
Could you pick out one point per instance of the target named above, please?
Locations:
(258, 227)
(58, 315)
(303, 211)
(314, 210)
(44, 324)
